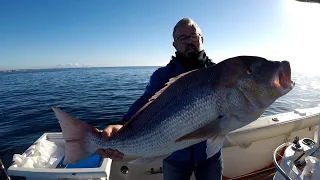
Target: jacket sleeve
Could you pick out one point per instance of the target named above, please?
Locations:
(156, 82)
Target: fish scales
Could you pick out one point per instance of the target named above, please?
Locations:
(178, 123)
(204, 104)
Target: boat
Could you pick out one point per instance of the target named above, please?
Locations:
(247, 152)
(301, 159)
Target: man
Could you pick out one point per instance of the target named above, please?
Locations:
(199, 158)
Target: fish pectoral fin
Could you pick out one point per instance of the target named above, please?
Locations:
(214, 144)
(206, 132)
(142, 160)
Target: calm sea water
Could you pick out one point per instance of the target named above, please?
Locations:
(96, 95)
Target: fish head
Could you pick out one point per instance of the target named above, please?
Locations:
(250, 84)
(260, 81)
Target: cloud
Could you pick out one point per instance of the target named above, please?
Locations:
(73, 65)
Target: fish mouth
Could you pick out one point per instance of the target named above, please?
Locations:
(282, 78)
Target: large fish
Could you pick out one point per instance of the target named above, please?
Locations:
(203, 104)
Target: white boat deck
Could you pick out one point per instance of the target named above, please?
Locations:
(247, 151)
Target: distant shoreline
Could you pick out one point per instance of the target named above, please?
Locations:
(57, 68)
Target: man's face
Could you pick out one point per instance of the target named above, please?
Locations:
(187, 40)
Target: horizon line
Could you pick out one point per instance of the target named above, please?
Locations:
(51, 68)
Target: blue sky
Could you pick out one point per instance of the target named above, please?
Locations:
(44, 34)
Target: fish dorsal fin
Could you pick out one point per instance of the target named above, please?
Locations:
(154, 97)
(167, 85)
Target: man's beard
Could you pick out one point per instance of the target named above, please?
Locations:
(191, 51)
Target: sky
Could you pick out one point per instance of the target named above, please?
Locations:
(100, 33)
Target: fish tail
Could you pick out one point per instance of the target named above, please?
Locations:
(75, 133)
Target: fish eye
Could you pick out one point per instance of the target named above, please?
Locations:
(249, 71)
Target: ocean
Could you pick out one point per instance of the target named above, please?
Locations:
(99, 96)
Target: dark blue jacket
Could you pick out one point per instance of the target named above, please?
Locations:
(195, 153)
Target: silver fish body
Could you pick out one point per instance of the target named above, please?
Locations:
(193, 107)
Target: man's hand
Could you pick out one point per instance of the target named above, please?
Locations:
(106, 134)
